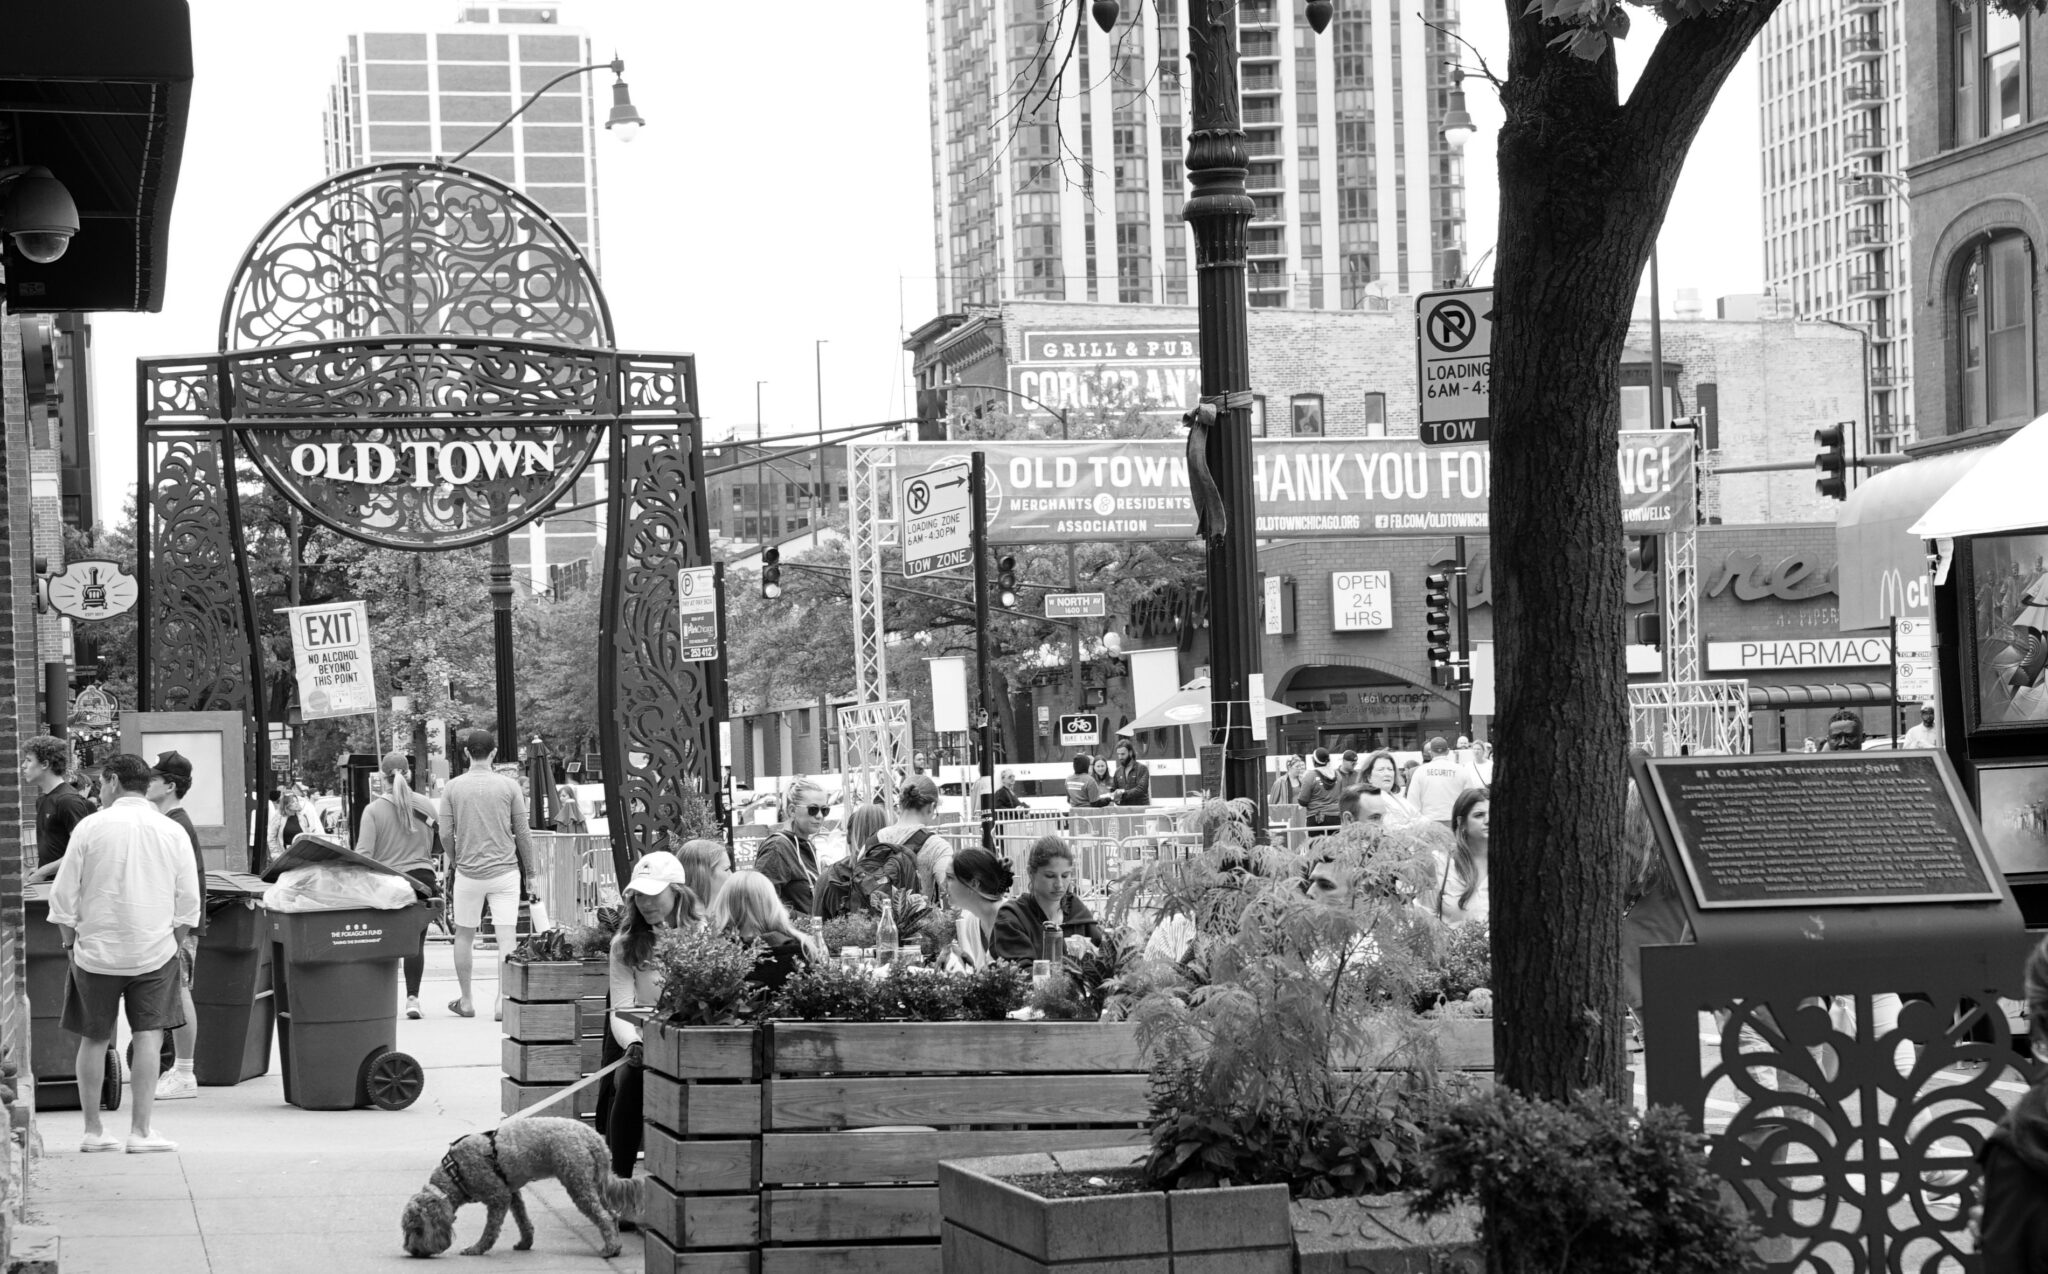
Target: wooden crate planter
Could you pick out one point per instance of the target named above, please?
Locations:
(549, 980)
(552, 1029)
(990, 1224)
(792, 1147)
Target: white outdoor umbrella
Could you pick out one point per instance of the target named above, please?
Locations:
(2004, 492)
(1188, 706)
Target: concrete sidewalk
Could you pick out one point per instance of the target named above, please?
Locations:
(261, 1187)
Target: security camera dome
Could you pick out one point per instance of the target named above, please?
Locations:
(42, 246)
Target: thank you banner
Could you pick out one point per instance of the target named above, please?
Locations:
(1303, 488)
(331, 654)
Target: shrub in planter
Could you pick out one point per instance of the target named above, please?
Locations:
(990, 994)
(924, 994)
(1585, 1186)
(704, 978)
(1465, 965)
(854, 929)
(832, 992)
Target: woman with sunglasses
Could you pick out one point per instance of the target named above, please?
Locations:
(789, 858)
(978, 884)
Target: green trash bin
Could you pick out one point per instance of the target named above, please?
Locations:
(53, 1051)
(334, 978)
(231, 983)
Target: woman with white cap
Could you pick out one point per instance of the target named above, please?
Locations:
(657, 898)
(398, 831)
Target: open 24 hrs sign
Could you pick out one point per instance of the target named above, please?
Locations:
(1361, 601)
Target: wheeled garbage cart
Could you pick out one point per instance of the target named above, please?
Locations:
(231, 983)
(334, 977)
(53, 1051)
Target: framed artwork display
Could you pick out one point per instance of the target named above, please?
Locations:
(2012, 801)
(2006, 617)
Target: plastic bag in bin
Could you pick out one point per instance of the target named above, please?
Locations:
(337, 887)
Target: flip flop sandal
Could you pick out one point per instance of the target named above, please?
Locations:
(455, 1007)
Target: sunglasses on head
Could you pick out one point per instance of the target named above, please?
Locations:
(818, 811)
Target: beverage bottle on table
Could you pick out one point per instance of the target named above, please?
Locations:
(885, 934)
(1051, 946)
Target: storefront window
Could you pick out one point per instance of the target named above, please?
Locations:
(1994, 332)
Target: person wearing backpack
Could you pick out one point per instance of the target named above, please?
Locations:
(888, 861)
(931, 855)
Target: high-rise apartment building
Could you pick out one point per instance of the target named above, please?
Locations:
(1060, 177)
(431, 94)
(1832, 77)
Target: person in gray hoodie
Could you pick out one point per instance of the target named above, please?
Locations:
(2013, 1230)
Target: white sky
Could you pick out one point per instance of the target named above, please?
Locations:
(779, 195)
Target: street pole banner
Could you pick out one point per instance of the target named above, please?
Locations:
(331, 655)
(1305, 488)
(697, 599)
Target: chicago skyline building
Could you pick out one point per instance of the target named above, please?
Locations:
(431, 93)
(1832, 79)
(1070, 187)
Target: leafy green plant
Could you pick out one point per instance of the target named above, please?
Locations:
(547, 946)
(1584, 1186)
(940, 930)
(989, 994)
(925, 994)
(704, 978)
(1465, 964)
(1267, 1034)
(830, 991)
(854, 929)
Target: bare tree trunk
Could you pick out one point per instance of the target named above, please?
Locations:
(1585, 181)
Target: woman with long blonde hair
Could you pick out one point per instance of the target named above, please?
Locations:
(749, 909)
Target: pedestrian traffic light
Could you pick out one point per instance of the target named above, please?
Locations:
(771, 574)
(1642, 554)
(1436, 616)
(1006, 581)
(1649, 629)
(1832, 463)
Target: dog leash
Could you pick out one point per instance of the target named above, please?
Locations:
(571, 1090)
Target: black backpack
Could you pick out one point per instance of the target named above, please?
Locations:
(851, 884)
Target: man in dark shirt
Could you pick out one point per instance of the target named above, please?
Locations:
(169, 782)
(45, 761)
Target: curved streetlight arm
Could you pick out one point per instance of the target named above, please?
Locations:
(615, 66)
(1057, 414)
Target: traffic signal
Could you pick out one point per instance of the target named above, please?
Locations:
(1649, 629)
(1006, 581)
(1832, 463)
(771, 574)
(1642, 554)
(1436, 616)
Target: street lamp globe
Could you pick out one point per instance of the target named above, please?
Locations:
(1457, 126)
(625, 119)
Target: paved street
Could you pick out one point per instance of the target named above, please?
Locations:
(258, 1185)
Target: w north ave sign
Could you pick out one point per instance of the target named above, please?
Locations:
(1303, 488)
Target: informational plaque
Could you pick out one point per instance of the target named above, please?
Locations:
(1804, 830)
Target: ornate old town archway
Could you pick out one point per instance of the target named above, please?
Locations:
(417, 356)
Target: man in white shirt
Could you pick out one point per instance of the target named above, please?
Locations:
(1438, 784)
(126, 893)
(1924, 734)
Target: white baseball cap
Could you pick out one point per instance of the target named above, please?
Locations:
(656, 872)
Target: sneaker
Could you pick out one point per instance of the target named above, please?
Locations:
(176, 1085)
(98, 1143)
(412, 1007)
(154, 1144)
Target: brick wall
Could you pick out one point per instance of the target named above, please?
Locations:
(17, 720)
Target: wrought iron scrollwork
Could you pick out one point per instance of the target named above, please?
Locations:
(660, 731)
(198, 643)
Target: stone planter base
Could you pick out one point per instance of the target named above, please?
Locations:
(993, 1227)
(1377, 1234)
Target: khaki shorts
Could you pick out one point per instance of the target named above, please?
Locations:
(92, 1000)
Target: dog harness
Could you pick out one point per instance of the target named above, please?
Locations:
(454, 1172)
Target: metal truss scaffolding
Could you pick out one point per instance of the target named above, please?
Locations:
(866, 483)
(1690, 718)
(875, 741)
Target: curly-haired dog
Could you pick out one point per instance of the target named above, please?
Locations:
(490, 1167)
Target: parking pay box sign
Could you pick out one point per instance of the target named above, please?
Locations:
(1361, 601)
(697, 599)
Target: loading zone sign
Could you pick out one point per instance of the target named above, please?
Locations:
(937, 531)
(697, 599)
(1454, 349)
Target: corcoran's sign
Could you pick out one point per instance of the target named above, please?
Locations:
(331, 651)
(1304, 488)
(1154, 372)
(1812, 652)
(422, 462)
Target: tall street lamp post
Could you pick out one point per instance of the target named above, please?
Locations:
(625, 122)
(1219, 211)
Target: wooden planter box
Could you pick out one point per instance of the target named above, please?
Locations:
(790, 1147)
(990, 1224)
(553, 1025)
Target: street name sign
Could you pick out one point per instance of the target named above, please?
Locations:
(938, 534)
(697, 599)
(1080, 730)
(1075, 606)
(1454, 351)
